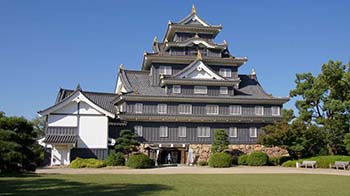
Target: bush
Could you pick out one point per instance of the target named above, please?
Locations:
(87, 163)
(290, 163)
(139, 160)
(220, 160)
(242, 160)
(115, 159)
(257, 159)
(278, 160)
(202, 163)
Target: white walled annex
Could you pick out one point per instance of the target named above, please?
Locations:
(93, 132)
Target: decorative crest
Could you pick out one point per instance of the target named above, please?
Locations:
(199, 55)
(194, 11)
(121, 66)
(155, 39)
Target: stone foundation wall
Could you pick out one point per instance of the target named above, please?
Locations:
(202, 151)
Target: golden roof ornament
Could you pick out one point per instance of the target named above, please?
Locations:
(199, 55)
(144, 53)
(225, 42)
(166, 40)
(121, 66)
(155, 39)
(194, 11)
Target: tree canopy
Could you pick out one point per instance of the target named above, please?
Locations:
(220, 142)
(126, 142)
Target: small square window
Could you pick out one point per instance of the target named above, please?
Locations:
(176, 89)
(259, 110)
(163, 131)
(138, 130)
(275, 110)
(224, 90)
(182, 131)
(253, 132)
(162, 108)
(138, 108)
(225, 72)
(233, 132)
(165, 70)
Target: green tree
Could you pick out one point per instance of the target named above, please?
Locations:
(220, 142)
(325, 102)
(39, 124)
(17, 141)
(299, 138)
(126, 142)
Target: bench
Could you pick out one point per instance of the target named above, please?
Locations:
(307, 164)
(340, 164)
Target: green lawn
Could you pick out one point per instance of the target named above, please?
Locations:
(214, 185)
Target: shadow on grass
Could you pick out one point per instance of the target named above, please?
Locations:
(40, 187)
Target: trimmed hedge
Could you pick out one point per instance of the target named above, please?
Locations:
(278, 160)
(115, 159)
(87, 163)
(257, 159)
(321, 161)
(139, 160)
(202, 163)
(220, 160)
(242, 160)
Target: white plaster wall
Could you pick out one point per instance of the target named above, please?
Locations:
(62, 121)
(93, 132)
(86, 109)
(71, 108)
(60, 155)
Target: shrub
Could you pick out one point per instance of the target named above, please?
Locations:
(220, 160)
(324, 161)
(242, 160)
(257, 159)
(202, 163)
(87, 163)
(115, 159)
(278, 160)
(290, 163)
(139, 160)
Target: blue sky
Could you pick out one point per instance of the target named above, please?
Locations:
(45, 45)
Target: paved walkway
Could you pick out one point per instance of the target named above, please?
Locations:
(194, 170)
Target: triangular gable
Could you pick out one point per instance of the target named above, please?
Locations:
(193, 19)
(123, 85)
(198, 70)
(76, 96)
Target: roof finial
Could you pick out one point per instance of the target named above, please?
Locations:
(155, 39)
(225, 42)
(121, 66)
(166, 40)
(144, 53)
(253, 73)
(194, 11)
(78, 88)
(199, 55)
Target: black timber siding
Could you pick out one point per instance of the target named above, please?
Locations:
(97, 153)
(150, 132)
(197, 108)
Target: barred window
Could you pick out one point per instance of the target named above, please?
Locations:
(162, 108)
(235, 109)
(276, 110)
(163, 131)
(259, 110)
(138, 108)
(203, 131)
(138, 130)
(200, 90)
(224, 90)
(225, 72)
(253, 132)
(165, 70)
(176, 89)
(182, 131)
(185, 109)
(212, 109)
(232, 132)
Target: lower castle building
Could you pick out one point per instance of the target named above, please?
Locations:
(188, 87)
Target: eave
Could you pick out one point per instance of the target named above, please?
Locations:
(228, 83)
(201, 99)
(232, 62)
(198, 118)
(173, 28)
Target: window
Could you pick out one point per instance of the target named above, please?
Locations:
(138, 108)
(165, 70)
(253, 132)
(182, 131)
(138, 130)
(276, 111)
(213, 109)
(163, 131)
(162, 108)
(185, 109)
(200, 90)
(203, 131)
(232, 132)
(176, 89)
(225, 72)
(235, 109)
(224, 90)
(259, 110)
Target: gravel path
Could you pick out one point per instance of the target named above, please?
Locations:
(194, 170)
